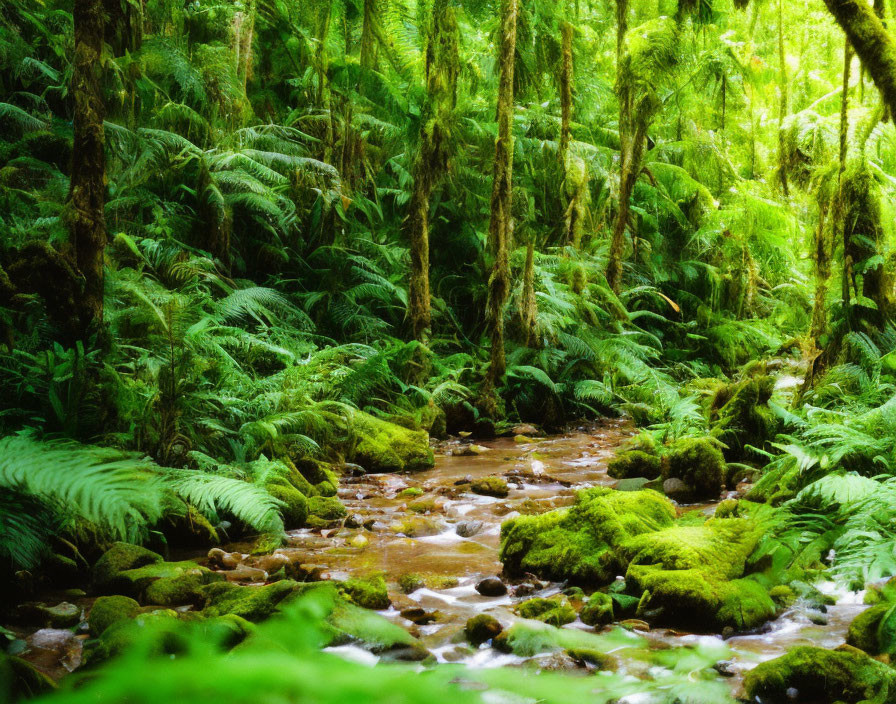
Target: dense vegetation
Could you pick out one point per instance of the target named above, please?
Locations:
(247, 247)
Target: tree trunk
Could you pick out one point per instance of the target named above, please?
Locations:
(368, 36)
(442, 69)
(838, 218)
(86, 220)
(822, 273)
(244, 53)
(500, 228)
(565, 90)
(782, 108)
(528, 305)
(872, 43)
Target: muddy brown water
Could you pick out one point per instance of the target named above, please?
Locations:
(399, 540)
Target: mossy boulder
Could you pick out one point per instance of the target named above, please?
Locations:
(177, 577)
(325, 511)
(367, 592)
(699, 463)
(556, 611)
(251, 603)
(695, 599)
(635, 463)
(809, 674)
(295, 505)
(863, 631)
(382, 446)
(490, 486)
(584, 542)
(776, 486)
(20, 680)
(741, 415)
(180, 589)
(159, 632)
(107, 610)
(598, 610)
(689, 576)
(321, 477)
(482, 628)
(117, 559)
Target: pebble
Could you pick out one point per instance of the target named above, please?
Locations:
(467, 529)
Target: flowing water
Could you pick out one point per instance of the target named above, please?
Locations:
(450, 536)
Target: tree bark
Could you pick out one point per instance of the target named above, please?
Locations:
(500, 228)
(368, 36)
(442, 69)
(86, 219)
(782, 107)
(872, 43)
(565, 90)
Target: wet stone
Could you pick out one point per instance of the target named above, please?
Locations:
(419, 616)
(467, 529)
(354, 520)
(491, 586)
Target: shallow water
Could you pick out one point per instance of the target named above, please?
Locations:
(546, 472)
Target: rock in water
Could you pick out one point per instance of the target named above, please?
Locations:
(491, 586)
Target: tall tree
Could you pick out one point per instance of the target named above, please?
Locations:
(500, 227)
(85, 217)
(442, 68)
(783, 99)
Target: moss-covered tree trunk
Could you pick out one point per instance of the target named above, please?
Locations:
(528, 305)
(244, 43)
(782, 106)
(872, 43)
(85, 216)
(626, 143)
(566, 32)
(500, 228)
(442, 69)
(368, 35)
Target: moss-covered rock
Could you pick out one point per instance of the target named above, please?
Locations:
(776, 486)
(20, 680)
(295, 505)
(321, 477)
(699, 463)
(482, 628)
(635, 463)
(325, 511)
(490, 486)
(176, 577)
(583, 543)
(251, 603)
(556, 611)
(117, 559)
(180, 589)
(863, 631)
(382, 446)
(694, 598)
(817, 675)
(598, 610)
(61, 615)
(159, 632)
(367, 592)
(107, 610)
(741, 415)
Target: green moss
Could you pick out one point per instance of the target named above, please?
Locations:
(159, 632)
(251, 603)
(382, 446)
(842, 675)
(694, 598)
(864, 628)
(782, 595)
(598, 610)
(741, 415)
(410, 582)
(321, 478)
(720, 546)
(367, 592)
(118, 558)
(427, 505)
(295, 508)
(181, 589)
(699, 463)
(583, 543)
(111, 609)
(326, 508)
(490, 486)
(482, 628)
(555, 611)
(410, 493)
(634, 463)
(137, 582)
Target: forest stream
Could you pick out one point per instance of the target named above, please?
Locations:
(430, 535)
